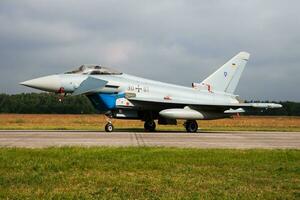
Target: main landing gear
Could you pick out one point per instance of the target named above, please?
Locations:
(149, 126)
(191, 126)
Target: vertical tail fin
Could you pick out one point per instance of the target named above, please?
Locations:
(226, 78)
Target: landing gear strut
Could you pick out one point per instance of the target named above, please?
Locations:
(149, 126)
(191, 126)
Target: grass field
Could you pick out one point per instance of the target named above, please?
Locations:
(97, 122)
(148, 173)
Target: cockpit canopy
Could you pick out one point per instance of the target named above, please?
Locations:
(94, 70)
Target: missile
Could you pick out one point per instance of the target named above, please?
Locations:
(266, 105)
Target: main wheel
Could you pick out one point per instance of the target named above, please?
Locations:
(149, 126)
(109, 127)
(191, 126)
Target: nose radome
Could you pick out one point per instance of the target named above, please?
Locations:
(47, 83)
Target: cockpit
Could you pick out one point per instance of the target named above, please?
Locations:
(94, 70)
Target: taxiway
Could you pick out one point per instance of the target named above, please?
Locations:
(235, 140)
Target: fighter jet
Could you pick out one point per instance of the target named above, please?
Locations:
(122, 96)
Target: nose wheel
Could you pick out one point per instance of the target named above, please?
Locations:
(149, 126)
(191, 126)
(109, 127)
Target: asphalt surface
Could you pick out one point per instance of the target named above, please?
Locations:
(238, 140)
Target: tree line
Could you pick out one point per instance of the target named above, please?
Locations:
(48, 103)
(45, 103)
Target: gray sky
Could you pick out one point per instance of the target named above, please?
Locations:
(176, 41)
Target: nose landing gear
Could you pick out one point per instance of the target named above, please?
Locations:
(109, 127)
(191, 126)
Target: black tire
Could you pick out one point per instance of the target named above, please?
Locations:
(149, 126)
(109, 127)
(191, 126)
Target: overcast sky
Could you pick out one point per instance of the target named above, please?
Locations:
(176, 41)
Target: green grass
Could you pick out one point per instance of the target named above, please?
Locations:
(148, 173)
